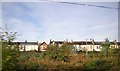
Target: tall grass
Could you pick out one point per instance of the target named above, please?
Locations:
(76, 61)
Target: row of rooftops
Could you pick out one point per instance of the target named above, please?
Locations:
(83, 42)
(26, 42)
(72, 42)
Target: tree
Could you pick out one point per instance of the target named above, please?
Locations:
(10, 52)
(9, 56)
(59, 53)
(105, 46)
(6, 36)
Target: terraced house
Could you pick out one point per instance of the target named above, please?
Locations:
(29, 46)
(89, 45)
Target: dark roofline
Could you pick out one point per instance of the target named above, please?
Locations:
(84, 42)
(27, 42)
(118, 43)
(43, 43)
(22, 43)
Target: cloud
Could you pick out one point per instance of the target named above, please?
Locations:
(44, 21)
(28, 30)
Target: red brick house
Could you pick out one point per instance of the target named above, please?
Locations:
(43, 46)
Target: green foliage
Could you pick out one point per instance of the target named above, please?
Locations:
(112, 52)
(105, 47)
(0, 55)
(31, 63)
(10, 51)
(10, 54)
(56, 60)
(98, 64)
(26, 55)
(59, 53)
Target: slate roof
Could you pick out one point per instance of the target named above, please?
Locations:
(83, 42)
(43, 43)
(23, 43)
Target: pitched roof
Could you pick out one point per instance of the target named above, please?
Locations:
(83, 42)
(98, 43)
(118, 43)
(43, 43)
(30, 43)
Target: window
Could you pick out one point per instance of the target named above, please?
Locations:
(98, 47)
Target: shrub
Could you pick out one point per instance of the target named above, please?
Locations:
(105, 47)
(10, 56)
(59, 53)
(98, 64)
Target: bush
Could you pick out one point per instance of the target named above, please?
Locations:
(59, 53)
(32, 63)
(98, 64)
(105, 47)
(10, 56)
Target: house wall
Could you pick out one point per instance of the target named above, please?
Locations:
(21, 47)
(28, 47)
(59, 45)
(77, 47)
(43, 47)
(97, 47)
(84, 47)
(113, 46)
(31, 47)
(89, 47)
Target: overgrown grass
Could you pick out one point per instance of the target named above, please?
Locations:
(37, 60)
(63, 59)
